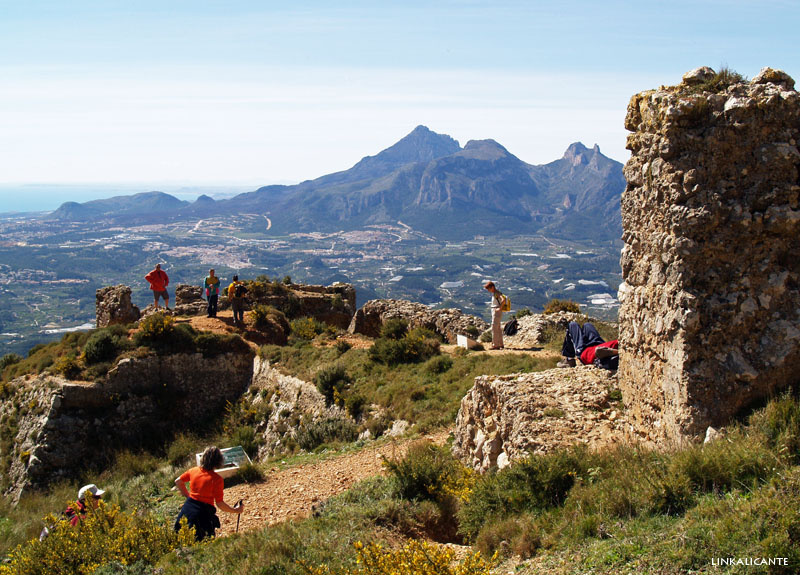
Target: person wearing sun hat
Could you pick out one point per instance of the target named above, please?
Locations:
(88, 496)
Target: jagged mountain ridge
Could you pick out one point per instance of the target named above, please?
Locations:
(428, 181)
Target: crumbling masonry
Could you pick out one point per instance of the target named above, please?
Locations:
(710, 302)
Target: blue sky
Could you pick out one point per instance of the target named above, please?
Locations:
(251, 93)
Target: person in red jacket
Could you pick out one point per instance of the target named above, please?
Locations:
(587, 344)
(159, 280)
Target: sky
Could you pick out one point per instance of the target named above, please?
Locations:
(254, 93)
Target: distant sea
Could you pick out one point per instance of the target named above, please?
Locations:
(48, 197)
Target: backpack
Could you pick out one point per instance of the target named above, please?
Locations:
(506, 304)
(239, 290)
(511, 327)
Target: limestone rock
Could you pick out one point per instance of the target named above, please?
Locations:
(536, 329)
(446, 322)
(189, 300)
(141, 401)
(291, 401)
(505, 418)
(710, 300)
(698, 75)
(113, 306)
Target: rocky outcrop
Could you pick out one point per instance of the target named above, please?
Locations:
(446, 322)
(710, 303)
(334, 304)
(113, 305)
(285, 402)
(189, 300)
(141, 402)
(506, 418)
(536, 330)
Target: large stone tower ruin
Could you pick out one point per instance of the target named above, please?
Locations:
(710, 302)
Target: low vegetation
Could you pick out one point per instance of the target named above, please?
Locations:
(624, 510)
(89, 355)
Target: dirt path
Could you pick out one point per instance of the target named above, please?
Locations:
(292, 493)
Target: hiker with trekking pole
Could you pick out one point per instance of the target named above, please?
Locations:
(205, 490)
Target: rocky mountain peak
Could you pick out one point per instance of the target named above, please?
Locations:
(577, 153)
(421, 145)
(484, 150)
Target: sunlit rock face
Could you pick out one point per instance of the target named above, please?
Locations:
(710, 302)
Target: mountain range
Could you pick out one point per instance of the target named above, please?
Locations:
(426, 181)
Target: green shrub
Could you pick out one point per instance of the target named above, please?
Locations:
(250, 473)
(416, 346)
(537, 483)
(343, 346)
(355, 405)
(333, 429)
(425, 472)
(214, 344)
(779, 423)
(331, 381)
(394, 328)
(486, 337)
(101, 346)
(97, 371)
(68, 367)
(523, 312)
(307, 328)
(557, 305)
(9, 359)
(246, 437)
(439, 364)
(130, 464)
(182, 449)
(472, 331)
(263, 315)
(160, 333)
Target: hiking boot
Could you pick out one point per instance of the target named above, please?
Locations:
(566, 362)
(604, 352)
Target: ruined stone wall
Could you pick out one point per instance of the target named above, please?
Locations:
(710, 302)
(61, 428)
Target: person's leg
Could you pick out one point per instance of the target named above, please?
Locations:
(213, 303)
(155, 298)
(497, 329)
(572, 339)
(590, 336)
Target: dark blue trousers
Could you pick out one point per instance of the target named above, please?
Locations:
(212, 305)
(579, 338)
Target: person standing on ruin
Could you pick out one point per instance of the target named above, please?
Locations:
(211, 287)
(236, 293)
(159, 280)
(205, 490)
(499, 304)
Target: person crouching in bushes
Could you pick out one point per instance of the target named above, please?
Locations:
(205, 489)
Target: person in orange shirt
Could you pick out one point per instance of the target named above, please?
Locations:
(205, 490)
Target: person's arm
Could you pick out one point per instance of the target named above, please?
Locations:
(225, 507)
(181, 485)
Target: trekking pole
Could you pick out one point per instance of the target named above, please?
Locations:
(239, 516)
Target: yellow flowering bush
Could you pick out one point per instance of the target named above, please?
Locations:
(104, 535)
(414, 558)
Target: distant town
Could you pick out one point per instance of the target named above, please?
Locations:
(50, 270)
